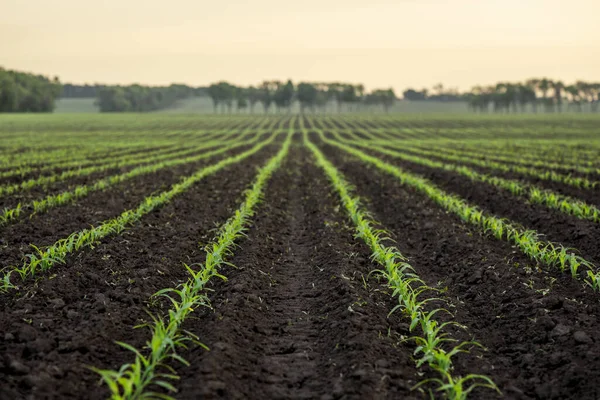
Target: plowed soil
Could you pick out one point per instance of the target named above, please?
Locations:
(300, 315)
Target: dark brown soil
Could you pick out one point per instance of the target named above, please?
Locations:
(100, 155)
(541, 344)
(294, 320)
(591, 196)
(56, 328)
(555, 226)
(84, 164)
(27, 196)
(59, 222)
(298, 316)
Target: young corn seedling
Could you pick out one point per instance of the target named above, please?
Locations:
(593, 280)
(134, 380)
(89, 237)
(405, 284)
(545, 253)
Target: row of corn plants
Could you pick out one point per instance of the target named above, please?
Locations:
(45, 258)
(87, 162)
(572, 151)
(71, 151)
(48, 179)
(528, 241)
(567, 179)
(475, 150)
(12, 214)
(510, 158)
(15, 157)
(534, 194)
(151, 370)
(71, 155)
(560, 154)
(433, 344)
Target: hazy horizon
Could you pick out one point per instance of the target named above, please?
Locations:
(383, 43)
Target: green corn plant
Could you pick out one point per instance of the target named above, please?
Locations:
(528, 241)
(56, 253)
(402, 279)
(534, 194)
(135, 380)
(593, 279)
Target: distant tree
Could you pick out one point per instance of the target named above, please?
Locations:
(544, 86)
(335, 91)
(284, 95)
(596, 101)
(241, 97)
(307, 94)
(113, 99)
(10, 92)
(480, 98)
(139, 98)
(350, 95)
(79, 91)
(383, 97)
(215, 95)
(253, 96)
(222, 93)
(558, 87)
(266, 92)
(242, 104)
(24, 92)
(575, 98)
(532, 85)
(413, 95)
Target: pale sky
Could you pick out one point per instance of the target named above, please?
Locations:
(381, 43)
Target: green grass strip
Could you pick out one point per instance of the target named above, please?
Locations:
(543, 252)
(134, 381)
(9, 215)
(46, 258)
(534, 194)
(409, 288)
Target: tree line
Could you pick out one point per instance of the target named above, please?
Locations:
(25, 92)
(536, 94)
(310, 96)
(72, 91)
(138, 98)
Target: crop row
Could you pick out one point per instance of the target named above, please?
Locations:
(528, 241)
(576, 154)
(432, 343)
(133, 380)
(514, 158)
(15, 160)
(44, 259)
(575, 181)
(533, 193)
(85, 162)
(9, 214)
(80, 149)
(8, 189)
(73, 146)
(556, 152)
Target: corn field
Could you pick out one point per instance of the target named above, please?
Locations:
(300, 256)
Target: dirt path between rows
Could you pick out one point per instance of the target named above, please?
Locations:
(294, 320)
(540, 328)
(68, 320)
